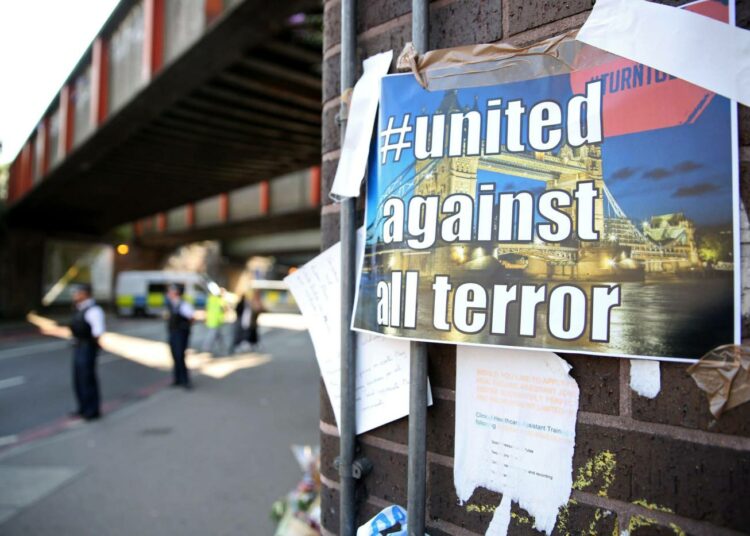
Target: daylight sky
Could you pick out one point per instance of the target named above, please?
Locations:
(40, 43)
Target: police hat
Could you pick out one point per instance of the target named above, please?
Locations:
(176, 288)
(82, 287)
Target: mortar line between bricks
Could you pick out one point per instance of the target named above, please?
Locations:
(691, 526)
(668, 430)
(444, 393)
(327, 482)
(329, 429)
(384, 27)
(625, 394)
(330, 209)
(325, 532)
(333, 102)
(332, 51)
(331, 155)
(384, 444)
(443, 3)
(440, 459)
(547, 30)
(377, 502)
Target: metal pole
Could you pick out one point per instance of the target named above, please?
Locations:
(417, 467)
(347, 426)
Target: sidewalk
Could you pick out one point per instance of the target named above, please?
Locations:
(207, 461)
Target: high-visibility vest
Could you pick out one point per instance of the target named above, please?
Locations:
(214, 311)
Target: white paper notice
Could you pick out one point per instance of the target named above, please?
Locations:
(515, 431)
(359, 125)
(382, 364)
(645, 377)
(695, 48)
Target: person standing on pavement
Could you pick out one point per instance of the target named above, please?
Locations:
(179, 321)
(214, 319)
(252, 312)
(87, 326)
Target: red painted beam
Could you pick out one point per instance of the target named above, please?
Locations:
(31, 163)
(45, 153)
(13, 181)
(99, 81)
(190, 215)
(161, 222)
(24, 182)
(153, 37)
(315, 186)
(224, 208)
(66, 119)
(213, 9)
(265, 197)
(138, 228)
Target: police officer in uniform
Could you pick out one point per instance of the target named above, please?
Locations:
(179, 322)
(87, 326)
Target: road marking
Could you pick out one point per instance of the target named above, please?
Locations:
(8, 440)
(32, 349)
(15, 381)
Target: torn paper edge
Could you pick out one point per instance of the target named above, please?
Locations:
(645, 377)
(690, 46)
(501, 518)
(360, 123)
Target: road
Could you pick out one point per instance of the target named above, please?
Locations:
(35, 377)
(161, 461)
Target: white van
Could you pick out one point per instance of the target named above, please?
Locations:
(139, 293)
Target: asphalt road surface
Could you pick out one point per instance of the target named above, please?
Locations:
(161, 461)
(36, 376)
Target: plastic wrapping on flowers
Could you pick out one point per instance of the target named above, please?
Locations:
(298, 513)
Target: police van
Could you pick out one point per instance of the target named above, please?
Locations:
(143, 293)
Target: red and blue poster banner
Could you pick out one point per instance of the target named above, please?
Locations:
(592, 211)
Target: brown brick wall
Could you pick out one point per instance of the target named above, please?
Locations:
(661, 466)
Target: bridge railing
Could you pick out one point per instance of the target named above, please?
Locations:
(139, 38)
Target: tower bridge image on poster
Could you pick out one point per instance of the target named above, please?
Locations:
(669, 259)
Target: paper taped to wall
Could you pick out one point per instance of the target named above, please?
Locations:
(515, 431)
(697, 49)
(645, 377)
(360, 123)
(382, 364)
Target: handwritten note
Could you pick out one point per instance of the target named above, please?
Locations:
(382, 391)
(515, 431)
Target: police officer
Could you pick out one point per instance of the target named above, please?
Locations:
(179, 322)
(87, 326)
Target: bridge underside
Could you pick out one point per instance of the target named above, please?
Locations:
(240, 106)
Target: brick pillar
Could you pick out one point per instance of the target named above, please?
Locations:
(21, 263)
(669, 470)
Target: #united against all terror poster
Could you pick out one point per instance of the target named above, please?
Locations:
(592, 211)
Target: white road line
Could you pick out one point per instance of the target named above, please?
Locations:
(31, 349)
(8, 440)
(15, 381)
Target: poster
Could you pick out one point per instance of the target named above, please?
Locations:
(591, 211)
(515, 431)
(382, 364)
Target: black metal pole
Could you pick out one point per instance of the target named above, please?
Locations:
(347, 426)
(417, 467)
